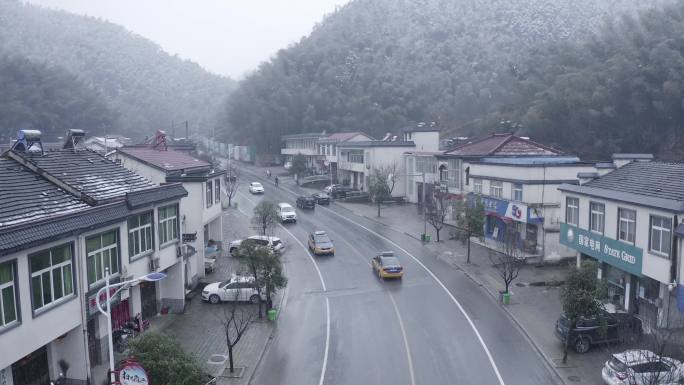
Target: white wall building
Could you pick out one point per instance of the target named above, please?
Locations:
(303, 144)
(328, 149)
(626, 221)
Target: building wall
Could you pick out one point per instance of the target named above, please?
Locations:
(153, 174)
(71, 350)
(426, 141)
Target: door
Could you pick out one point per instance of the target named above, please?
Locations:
(231, 292)
(93, 350)
(148, 297)
(32, 369)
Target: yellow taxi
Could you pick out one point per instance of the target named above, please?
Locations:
(386, 265)
(320, 243)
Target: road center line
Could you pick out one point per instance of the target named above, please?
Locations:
(439, 282)
(327, 300)
(403, 334)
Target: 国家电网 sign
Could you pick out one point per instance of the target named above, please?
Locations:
(624, 256)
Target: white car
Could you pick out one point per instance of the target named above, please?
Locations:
(641, 367)
(273, 243)
(287, 165)
(235, 289)
(286, 213)
(256, 188)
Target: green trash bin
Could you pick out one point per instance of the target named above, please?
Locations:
(506, 298)
(272, 314)
(428, 237)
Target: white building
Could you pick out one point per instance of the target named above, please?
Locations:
(200, 212)
(328, 149)
(64, 216)
(626, 220)
(303, 144)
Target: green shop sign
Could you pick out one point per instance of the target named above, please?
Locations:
(619, 254)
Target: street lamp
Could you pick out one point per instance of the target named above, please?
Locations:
(152, 277)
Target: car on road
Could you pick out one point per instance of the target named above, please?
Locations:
(386, 265)
(321, 198)
(286, 213)
(641, 367)
(256, 188)
(613, 326)
(237, 288)
(319, 243)
(272, 243)
(305, 202)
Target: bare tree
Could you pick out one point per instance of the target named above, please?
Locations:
(232, 177)
(382, 182)
(438, 209)
(509, 260)
(265, 216)
(236, 320)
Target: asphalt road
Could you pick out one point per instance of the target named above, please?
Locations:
(341, 325)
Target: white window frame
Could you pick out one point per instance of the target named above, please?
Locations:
(209, 193)
(630, 223)
(661, 229)
(112, 250)
(477, 185)
(599, 214)
(51, 270)
(572, 210)
(136, 234)
(217, 190)
(496, 188)
(168, 233)
(515, 188)
(13, 285)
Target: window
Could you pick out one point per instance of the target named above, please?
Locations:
(597, 215)
(626, 225)
(168, 224)
(572, 211)
(496, 188)
(517, 192)
(102, 251)
(52, 275)
(454, 173)
(355, 156)
(8, 294)
(140, 234)
(477, 185)
(661, 234)
(217, 190)
(209, 199)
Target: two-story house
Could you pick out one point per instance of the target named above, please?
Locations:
(626, 220)
(327, 149)
(200, 215)
(304, 144)
(65, 217)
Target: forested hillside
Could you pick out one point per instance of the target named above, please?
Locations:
(376, 65)
(147, 87)
(34, 96)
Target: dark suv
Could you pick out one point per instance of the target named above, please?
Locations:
(305, 202)
(338, 191)
(611, 327)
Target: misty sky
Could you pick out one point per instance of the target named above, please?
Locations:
(229, 37)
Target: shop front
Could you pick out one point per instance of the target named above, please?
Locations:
(33, 369)
(620, 265)
(504, 217)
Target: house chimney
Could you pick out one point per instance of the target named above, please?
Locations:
(74, 139)
(586, 177)
(620, 160)
(26, 139)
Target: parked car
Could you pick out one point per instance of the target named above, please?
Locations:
(386, 265)
(235, 289)
(641, 367)
(328, 189)
(256, 188)
(273, 243)
(304, 202)
(339, 191)
(287, 165)
(319, 243)
(286, 213)
(591, 331)
(321, 198)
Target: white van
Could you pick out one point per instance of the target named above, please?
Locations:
(286, 213)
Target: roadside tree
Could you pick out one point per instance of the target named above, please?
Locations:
(271, 276)
(469, 217)
(382, 182)
(580, 297)
(438, 209)
(265, 217)
(253, 257)
(299, 167)
(509, 260)
(232, 176)
(165, 359)
(236, 321)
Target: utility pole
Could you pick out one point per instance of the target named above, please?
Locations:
(186, 131)
(424, 209)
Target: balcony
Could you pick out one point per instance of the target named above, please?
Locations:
(295, 151)
(350, 166)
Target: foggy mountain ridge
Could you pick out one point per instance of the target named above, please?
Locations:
(146, 87)
(378, 65)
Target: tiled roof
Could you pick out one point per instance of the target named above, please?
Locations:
(89, 172)
(344, 136)
(502, 144)
(26, 197)
(653, 184)
(304, 135)
(159, 194)
(166, 160)
(377, 143)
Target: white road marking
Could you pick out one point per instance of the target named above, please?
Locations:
(439, 282)
(327, 301)
(403, 334)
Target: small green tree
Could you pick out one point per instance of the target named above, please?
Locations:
(470, 216)
(165, 360)
(271, 277)
(299, 166)
(580, 297)
(253, 256)
(381, 184)
(265, 216)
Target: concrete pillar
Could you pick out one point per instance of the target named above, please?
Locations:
(628, 287)
(599, 272)
(579, 259)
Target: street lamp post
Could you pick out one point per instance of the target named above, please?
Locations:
(152, 277)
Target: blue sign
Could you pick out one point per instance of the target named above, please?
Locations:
(624, 256)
